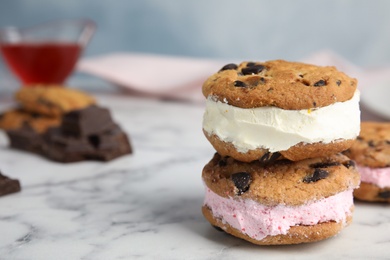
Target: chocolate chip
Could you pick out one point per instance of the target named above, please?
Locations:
(371, 143)
(230, 66)
(222, 162)
(262, 81)
(35, 115)
(239, 84)
(324, 164)
(318, 174)
(359, 138)
(255, 69)
(300, 75)
(349, 164)
(269, 158)
(241, 180)
(320, 83)
(384, 194)
(218, 228)
(250, 64)
(314, 104)
(387, 141)
(338, 82)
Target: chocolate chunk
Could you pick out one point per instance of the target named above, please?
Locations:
(338, 82)
(240, 84)
(349, 164)
(230, 66)
(104, 146)
(89, 121)
(324, 164)
(269, 158)
(384, 194)
(8, 185)
(320, 83)
(84, 135)
(242, 181)
(26, 139)
(255, 69)
(250, 64)
(318, 174)
(222, 162)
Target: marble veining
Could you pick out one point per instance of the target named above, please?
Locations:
(146, 205)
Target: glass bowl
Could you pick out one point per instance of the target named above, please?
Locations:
(47, 53)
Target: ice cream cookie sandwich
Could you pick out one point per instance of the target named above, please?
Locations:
(284, 202)
(371, 151)
(258, 110)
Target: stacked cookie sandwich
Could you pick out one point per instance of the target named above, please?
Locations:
(371, 152)
(278, 128)
(64, 125)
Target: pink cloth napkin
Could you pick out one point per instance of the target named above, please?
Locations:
(181, 78)
(153, 75)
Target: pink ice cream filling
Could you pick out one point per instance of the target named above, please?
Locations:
(258, 221)
(377, 176)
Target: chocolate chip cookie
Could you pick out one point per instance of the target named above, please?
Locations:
(52, 101)
(16, 118)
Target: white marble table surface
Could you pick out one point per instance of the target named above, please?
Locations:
(146, 205)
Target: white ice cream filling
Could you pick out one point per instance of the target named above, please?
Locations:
(279, 129)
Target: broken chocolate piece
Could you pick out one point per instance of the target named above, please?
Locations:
(84, 135)
(88, 121)
(26, 139)
(8, 185)
(104, 146)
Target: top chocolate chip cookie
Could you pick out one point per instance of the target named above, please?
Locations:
(279, 83)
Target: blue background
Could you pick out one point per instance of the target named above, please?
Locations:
(359, 30)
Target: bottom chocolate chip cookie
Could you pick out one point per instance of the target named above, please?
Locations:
(283, 202)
